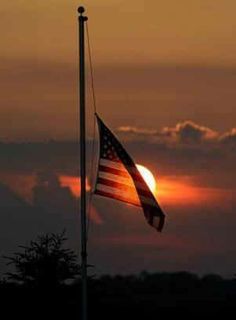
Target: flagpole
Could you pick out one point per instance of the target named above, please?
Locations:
(82, 20)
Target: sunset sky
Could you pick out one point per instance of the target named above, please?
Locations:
(165, 76)
(173, 60)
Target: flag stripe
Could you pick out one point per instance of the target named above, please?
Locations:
(128, 181)
(157, 223)
(113, 177)
(128, 194)
(120, 173)
(119, 166)
(124, 194)
(117, 197)
(112, 164)
(113, 171)
(122, 186)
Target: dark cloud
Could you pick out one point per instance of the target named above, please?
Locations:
(190, 133)
(229, 138)
(186, 133)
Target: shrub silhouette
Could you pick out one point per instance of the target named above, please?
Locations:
(44, 263)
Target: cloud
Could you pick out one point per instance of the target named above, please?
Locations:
(184, 133)
(229, 138)
(188, 132)
(136, 131)
(132, 133)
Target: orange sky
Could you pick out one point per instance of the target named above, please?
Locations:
(195, 187)
(171, 60)
(170, 191)
(188, 31)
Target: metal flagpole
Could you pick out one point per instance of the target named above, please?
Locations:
(82, 20)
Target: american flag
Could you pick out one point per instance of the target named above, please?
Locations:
(118, 178)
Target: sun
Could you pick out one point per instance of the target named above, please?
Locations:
(148, 177)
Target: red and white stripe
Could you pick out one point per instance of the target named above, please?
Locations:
(114, 181)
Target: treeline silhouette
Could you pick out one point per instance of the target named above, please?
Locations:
(46, 282)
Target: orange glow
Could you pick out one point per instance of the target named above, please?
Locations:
(174, 191)
(171, 190)
(183, 191)
(73, 183)
(148, 177)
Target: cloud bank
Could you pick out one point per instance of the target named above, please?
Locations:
(183, 133)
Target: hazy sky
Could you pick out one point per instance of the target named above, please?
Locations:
(156, 61)
(186, 31)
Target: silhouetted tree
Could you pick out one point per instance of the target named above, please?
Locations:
(45, 262)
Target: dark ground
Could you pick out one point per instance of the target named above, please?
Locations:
(147, 296)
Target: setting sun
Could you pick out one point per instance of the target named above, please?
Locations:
(148, 177)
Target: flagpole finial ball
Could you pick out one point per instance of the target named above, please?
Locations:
(81, 10)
